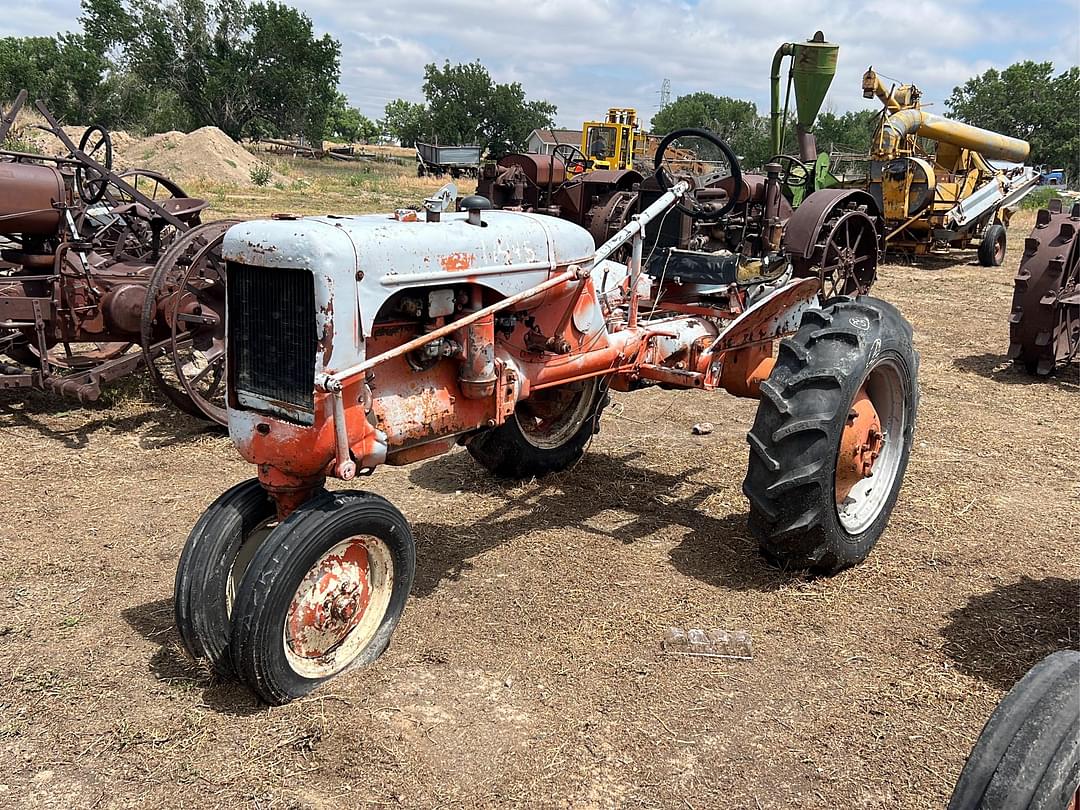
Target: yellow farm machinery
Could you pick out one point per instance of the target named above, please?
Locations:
(934, 178)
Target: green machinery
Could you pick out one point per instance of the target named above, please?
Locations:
(812, 68)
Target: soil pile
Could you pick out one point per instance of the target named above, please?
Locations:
(206, 153)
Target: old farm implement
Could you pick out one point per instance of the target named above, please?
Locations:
(358, 341)
(102, 271)
(1044, 324)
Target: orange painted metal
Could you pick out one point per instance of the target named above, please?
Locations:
(743, 370)
(860, 445)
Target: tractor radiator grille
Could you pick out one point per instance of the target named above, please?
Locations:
(272, 340)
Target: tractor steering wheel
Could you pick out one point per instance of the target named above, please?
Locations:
(666, 180)
(793, 172)
(570, 150)
(96, 144)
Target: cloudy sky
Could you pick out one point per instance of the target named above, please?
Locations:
(586, 56)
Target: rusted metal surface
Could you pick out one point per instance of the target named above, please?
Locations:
(933, 179)
(914, 122)
(338, 606)
(430, 331)
(860, 445)
(1044, 324)
(82, 245)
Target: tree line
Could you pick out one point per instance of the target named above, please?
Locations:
(257, 68)
(252, 69)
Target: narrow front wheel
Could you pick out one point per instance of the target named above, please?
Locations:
(322, 595)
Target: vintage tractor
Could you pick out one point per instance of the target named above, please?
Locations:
(96, 264)
(356, 341)
(1044, 324)
(742, 221)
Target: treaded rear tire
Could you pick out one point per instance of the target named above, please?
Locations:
(1028, 754)
(508, 453)
(794, 442)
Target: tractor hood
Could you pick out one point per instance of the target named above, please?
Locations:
(509, 251)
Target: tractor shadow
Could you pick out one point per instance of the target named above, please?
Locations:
(171, 665)
(718, 551)
(999, 635)
(999, 369)
(74, 426)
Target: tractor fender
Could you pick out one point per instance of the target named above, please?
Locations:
(802, 229)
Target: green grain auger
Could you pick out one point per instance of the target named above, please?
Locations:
(813, 66)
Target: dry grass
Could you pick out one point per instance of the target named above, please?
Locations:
(527, 670)
(321, 187)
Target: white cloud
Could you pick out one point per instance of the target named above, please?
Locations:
(585, 57)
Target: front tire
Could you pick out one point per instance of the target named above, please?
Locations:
(832, 436)
(322, 595)
(548, 432)
(211, 566)
(1028, 754)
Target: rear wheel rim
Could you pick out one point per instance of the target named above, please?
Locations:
(338, 607)
(863, 502)
(553, 416)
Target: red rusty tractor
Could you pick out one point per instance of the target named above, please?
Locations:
(95, 264)
(356, 341)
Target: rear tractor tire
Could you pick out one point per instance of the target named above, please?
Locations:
(832, 436)
(547, 433)
(1028, 754)
(322, 594)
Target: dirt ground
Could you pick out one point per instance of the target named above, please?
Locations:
(527, 668)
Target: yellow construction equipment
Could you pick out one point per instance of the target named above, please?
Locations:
(934, 179)
(611, 144)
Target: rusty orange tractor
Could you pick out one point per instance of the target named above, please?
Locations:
(357, 341)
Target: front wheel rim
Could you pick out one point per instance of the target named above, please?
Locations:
(338, 607)
(860, 503)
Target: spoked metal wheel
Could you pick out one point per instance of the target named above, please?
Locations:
(184, 322)
(552, 416)
(124, 234)
(848, 256)
(1044, 325)
(868, 462)
(322, 595)
(96, 144)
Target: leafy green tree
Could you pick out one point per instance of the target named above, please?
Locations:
(466, 106)
(406, 121)
(736, 121)
(66, 71)
(1027, 101)
(349, 124)
(849, 132)
(247, 69)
